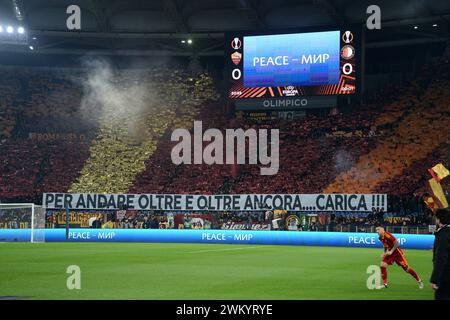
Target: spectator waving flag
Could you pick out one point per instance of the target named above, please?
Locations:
(437, 198)
(439, 172)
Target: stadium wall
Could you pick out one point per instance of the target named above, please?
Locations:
(334, 239)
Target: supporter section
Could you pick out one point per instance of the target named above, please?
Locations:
(48, 145)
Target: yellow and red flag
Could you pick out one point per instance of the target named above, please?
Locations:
(429, 201)
(436, 198)
(437, 193)
(439, 172)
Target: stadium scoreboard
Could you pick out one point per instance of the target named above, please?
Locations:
(288, 65)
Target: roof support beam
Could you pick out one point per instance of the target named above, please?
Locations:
(251, 9)
(18, 9)
(397, 43)
(99, 11)
(331, 11)
(170, 6)
(125, 35)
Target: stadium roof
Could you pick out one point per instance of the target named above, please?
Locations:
(157, 27)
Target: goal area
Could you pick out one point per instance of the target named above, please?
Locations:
(26, 216)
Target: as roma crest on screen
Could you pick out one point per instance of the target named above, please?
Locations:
(236, 57)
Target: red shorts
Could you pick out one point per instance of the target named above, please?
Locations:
(398, 258)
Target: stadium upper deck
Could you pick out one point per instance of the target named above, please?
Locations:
(378, 147)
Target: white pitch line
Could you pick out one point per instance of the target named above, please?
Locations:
(227, 249)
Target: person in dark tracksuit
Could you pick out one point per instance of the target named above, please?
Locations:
(147, 223)
(440, 278)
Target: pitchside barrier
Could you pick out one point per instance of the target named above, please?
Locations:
(334, 239)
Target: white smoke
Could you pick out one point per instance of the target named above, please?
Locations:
(120, 98)
(343, 160)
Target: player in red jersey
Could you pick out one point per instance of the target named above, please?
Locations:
(393, 253)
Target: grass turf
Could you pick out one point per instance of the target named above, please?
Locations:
(202, 271)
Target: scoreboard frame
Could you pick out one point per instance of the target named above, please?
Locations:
(234, 61)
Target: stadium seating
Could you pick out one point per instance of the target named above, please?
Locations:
(9, 88)
(42, 147)
(384, 146)
(417, 125)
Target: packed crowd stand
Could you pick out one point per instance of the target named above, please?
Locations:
(383, 147)
(225, 220)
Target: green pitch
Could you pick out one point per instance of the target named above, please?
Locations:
(202, 271)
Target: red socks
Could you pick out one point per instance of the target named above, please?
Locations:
(409, 270)
(384, 274)
(413, 273)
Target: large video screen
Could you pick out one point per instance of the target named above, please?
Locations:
(292, 64)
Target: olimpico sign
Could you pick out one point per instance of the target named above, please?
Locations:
(281, 103)
(286, 103)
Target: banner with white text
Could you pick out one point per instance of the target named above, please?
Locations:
(223, 202)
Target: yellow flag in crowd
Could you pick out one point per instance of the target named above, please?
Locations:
(429, 201)
(437, 197)
(439, 172)
(108, 225)
(437, 193)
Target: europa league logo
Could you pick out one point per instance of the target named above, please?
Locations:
(236, 44)
(347, 37)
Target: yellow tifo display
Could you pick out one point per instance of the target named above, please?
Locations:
(127, 140)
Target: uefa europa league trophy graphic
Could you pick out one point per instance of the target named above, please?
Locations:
(236, 43)
(348, 37)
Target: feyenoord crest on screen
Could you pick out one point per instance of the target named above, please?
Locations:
(292, 64)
